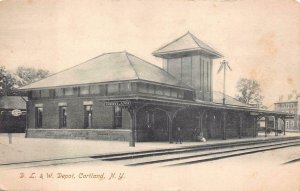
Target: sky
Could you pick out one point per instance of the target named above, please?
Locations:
(259, 38)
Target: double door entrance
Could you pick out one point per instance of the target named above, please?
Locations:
(152, 126)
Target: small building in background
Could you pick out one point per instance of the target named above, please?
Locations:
(290, 105)
(12, 114)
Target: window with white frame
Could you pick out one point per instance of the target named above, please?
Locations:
(38, 116)
(88, 116)
(62, 116)
(117, 123)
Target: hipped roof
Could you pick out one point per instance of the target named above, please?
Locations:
(108, 67)
(186, 43)
(218, 98)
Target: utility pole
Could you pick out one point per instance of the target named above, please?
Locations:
(223, 66)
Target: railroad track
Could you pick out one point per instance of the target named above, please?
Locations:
(175, 156)
(234, 153)
(197, 155)
(141, 154)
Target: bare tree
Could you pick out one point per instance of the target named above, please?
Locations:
(249, 91)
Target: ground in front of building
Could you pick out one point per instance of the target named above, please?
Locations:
(259, 171)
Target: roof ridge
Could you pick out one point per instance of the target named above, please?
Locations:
(136, 73)
(172, 41)
(195, 39)
(159, 69)
(115, 52)
(145, 61)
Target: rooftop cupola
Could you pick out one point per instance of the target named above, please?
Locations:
(190, 60)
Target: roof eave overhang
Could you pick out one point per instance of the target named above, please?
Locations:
(108, 82)
(209, 105)
(169, 54)
(290, 101)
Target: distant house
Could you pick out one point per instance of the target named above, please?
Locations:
(290, 105)
(12, 114)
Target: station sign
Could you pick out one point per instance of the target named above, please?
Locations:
(16, 112)
(117, 103)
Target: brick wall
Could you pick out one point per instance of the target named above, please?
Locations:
(30, 115)
(94, 134)
(103, 120)
(102, 115)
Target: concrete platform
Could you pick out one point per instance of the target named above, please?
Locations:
(35, 149)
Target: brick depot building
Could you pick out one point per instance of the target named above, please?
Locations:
(118, 96)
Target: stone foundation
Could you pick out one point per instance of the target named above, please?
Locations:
(93, 134)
